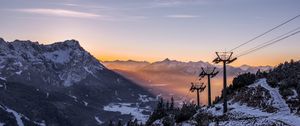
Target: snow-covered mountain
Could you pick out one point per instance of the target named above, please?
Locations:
(62, 84)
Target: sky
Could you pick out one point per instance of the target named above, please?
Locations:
(152, 30)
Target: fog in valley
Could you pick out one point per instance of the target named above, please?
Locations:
(169, 84)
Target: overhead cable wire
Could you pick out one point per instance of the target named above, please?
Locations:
(273, 42)
(270, 41)
(268, 31)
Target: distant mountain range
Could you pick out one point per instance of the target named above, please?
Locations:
(178, 67)
(62, 84)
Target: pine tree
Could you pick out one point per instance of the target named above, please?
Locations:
(167, 106)
(135, 122)
(258, 73)
(119, 123)
(172, 104)
(158, 113)
(110, 123)
(129, 123)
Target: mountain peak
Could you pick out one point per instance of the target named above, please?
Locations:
(166, 60)
(72, 42)
(67, 43)
(26, 42)
(1, 40)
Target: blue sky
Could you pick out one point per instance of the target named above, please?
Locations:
(187, 30)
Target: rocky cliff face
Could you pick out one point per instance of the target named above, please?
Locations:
(60, 84)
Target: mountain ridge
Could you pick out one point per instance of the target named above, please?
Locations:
(190, 67)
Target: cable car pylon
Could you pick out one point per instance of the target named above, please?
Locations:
(225, 58)
(199, 88)
(210, 72)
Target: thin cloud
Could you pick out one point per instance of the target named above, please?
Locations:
(59, 12)
(182, 16)
(89, 6)
(167, 4)
(176, 3)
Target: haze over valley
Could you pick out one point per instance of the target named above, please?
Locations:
(172, 78)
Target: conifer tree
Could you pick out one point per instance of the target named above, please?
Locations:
(119, 123)
(110, 123)
(172, 104)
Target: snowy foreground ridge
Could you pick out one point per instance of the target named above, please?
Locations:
(257, 104)
(242, 115)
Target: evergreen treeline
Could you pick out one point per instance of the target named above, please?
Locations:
(241, 81)
(169, 115)
(286, 76)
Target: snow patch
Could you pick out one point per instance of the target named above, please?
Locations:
(238, 108)
(85, 103)
(41, 123)
(18, 64)
(278, 101)
(19, 72)
(74, 97)
(89, 71)
(144, 98)
(295, 94)
(58, 56)
(17, 116)
(1, 67)
(98, 120)
(118, 80)
(119, 99)
(157, 123)
(128, 109)
(47, 94)
(3, 78)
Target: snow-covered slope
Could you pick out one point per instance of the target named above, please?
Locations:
(244, 114)
(257, 104)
